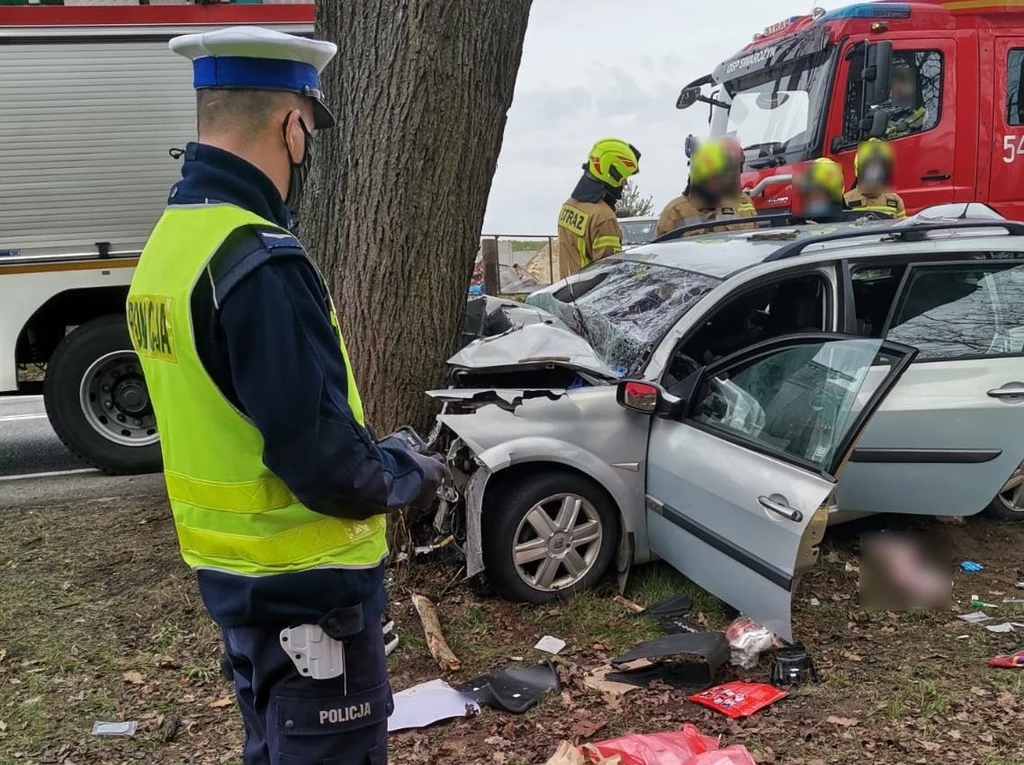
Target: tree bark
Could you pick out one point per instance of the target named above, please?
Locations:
(421, 89)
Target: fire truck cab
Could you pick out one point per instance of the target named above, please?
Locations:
(940, 79)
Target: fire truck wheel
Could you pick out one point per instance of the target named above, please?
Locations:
(97, 400)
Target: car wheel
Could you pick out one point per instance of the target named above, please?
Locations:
(97, 401)
(1008, 504)
(548, 536)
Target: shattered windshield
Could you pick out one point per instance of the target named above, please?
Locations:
(624, 308)
(776, 113)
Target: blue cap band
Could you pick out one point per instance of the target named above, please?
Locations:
(254, 73)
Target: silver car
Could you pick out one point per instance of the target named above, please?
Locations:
(696, 401)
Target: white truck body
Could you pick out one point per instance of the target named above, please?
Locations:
(91, 102)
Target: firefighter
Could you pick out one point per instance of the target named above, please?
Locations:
(906, 116)
(588, 228)
(871, 192)
(820, 186)
(712, 190)
(279, 492)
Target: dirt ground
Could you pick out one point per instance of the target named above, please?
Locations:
(99, 620)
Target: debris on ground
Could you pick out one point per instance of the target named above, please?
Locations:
(977, 602)
(429, 703)
(683, 747)
(123, 729)
(390, 637)
(972, 567)
(436, 644)
(739, 698)
(1012, 661)
(550, 644)
(515, 690)
(629, 605)
(748, 640)
(643, 665)
(670, 614)
(597, 680)
(974, 617)
(1004, 627)
(793, 666)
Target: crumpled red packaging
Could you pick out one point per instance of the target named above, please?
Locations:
(739, 698)
(1013, 661)
(667, 748)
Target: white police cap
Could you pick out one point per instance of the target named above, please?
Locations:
(259, 59)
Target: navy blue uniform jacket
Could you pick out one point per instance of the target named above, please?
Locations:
(263, 333)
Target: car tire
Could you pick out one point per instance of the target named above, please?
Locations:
(97, 402)
(582, 530)
(1008, 504)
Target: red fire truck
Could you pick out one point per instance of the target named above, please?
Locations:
(91, 100)
(941, 79)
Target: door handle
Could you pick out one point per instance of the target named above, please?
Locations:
(1009, 390)
(777, 504)
(935, 176)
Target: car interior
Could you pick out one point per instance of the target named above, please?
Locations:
(788, 306)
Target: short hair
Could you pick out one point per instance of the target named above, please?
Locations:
(244, 111)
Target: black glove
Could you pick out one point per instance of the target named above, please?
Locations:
(435, 475)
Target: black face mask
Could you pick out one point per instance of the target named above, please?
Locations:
(299, 170)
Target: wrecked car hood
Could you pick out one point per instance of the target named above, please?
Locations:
(535, 345)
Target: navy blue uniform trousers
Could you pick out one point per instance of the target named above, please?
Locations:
(295, 720)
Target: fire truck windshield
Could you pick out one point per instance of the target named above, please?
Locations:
(776, 113)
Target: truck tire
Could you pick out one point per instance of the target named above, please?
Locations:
(97, 400)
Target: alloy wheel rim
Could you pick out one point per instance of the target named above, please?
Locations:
(557, 542)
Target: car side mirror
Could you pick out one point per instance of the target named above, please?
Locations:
(648, 398)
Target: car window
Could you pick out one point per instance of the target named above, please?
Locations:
(637, 231)
(799, 401)
(784, 307)
(958, 311)
(1014, 82)
(874, 290)
(623, 308)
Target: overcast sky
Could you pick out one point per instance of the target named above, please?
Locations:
(600, 68)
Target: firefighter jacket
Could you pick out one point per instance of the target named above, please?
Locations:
(884, 202)
(587, 231)
(687, 210)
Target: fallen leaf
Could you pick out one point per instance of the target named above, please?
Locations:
(224, 702)
(852, 656)
(587, 728)
(3, 654)
(133, 677)
(928, 746)
(954, 734)
(166, 662)
(3, 726)
(1007, 700)
(979, 691)
(846, 722)
(832, 557)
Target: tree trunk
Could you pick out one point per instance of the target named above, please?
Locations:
(421, 89)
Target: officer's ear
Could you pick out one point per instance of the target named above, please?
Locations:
(295, 135)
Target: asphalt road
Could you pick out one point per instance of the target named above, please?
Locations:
(37, 470)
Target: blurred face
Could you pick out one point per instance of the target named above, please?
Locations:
(873, 177)
(902, 90)
(722, 186)
(817, 202)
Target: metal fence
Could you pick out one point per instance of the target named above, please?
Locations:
(515, 264)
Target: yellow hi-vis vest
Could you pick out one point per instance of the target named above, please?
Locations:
(231, 512)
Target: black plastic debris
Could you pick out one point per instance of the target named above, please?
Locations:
(792, 666)
(670, 615)
(514, 690)
(708, 651)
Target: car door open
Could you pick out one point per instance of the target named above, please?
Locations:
(741, 467)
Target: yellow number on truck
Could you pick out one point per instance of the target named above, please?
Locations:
(149, 324)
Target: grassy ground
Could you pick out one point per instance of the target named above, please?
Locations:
(100, 621)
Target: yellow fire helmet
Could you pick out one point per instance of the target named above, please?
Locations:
(713, 157)
(826, 174)
(612, 161)
(870, 150)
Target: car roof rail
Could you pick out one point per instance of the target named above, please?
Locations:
(916, 232)
(777, 220)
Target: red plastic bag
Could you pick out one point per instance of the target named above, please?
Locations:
(736, 754)
(739, 698)
(1013, 661)
(670, 748)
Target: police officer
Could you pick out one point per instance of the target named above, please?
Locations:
(587, 226)
(279, 491)
(871, 192)
(906, 116)
(712, 190)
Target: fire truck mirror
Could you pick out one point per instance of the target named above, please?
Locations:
(687, 98)
(874, 125)
(877, 64)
